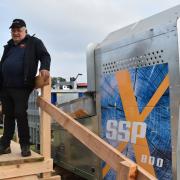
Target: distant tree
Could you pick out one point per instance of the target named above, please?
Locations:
(56, 80)
(53, 81)
(60, 79)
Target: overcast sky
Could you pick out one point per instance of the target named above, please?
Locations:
(68, 26)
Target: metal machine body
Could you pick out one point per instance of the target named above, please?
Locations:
(67, 151)
(136, 81)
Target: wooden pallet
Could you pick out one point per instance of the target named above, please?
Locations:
(36, 166)
(14, 166)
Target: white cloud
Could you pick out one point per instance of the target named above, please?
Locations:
(69, 65)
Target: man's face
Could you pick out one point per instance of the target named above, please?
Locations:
(18, 34)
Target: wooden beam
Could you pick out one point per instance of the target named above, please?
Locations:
(15, 156)
(144, 175)
(141, 173)
(101, 148)
(26, 169)
(51, 178)
(33, 177)
(91, 140)
(132, 172)
(126, 172)
(122, 172)
(45, 127)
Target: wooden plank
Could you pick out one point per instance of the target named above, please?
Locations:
(123, 171)
(34, 168)
(91, 140)
(15, 156)
(46, 175)
(126, 172)
(101, 148)
(132, 172)
(33, 177)
(45, 127)
(142, 174)
(51, 178)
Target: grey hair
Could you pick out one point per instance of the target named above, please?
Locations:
(25, 28)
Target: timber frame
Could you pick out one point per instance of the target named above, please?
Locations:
(125, 168)
(13, 166)
(37, 166)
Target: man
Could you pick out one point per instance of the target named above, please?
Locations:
(18, 68)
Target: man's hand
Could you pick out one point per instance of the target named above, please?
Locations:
(45, 74)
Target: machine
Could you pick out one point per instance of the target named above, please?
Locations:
(134, 73)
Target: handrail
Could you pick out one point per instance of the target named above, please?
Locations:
(125, 168)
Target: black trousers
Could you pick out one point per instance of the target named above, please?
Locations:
(14, 107)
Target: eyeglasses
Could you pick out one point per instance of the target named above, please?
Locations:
(17, 30)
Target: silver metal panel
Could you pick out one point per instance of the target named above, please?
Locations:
(66, 97)
(90, 67)
(71, 154)
(67, 151)
(149, 42)
(119, 37)
(85, 104)
(178, 89)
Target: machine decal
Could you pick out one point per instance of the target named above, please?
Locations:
(136, 118)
